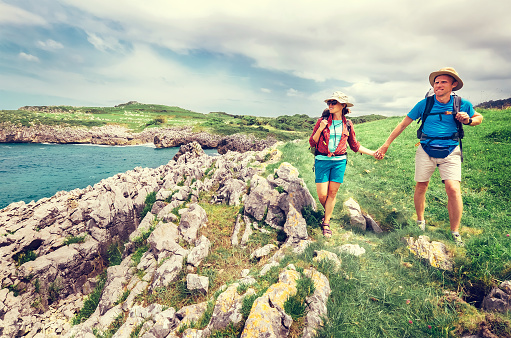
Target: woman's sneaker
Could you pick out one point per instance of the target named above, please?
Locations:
(457, 239)
(422, 225)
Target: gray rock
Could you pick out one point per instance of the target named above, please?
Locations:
(264, 251)
(199, 252)
(196, 282)
(352, 249)
(230, 192)
(499, 299)
(435, 253)
(168, 272)
(372, 224)
(295, 226)
(192, 219)
(357, 219)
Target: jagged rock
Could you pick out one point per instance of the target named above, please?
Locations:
(242, 143)
(296, 192)
(199, 252)
(193, 333)
(261, 194)
(236, 230)
(227, 309)
(295, 226)
(168, 272)
(247, 233)
(267, 267)
(372, 224)
(192, 219)
(164, 238)
(267, 317)
(352, 249)
(316, 303)
(435, 253)
(357, 219)
(264, 251)
(328, 256)
(191, 313)
(164, 323)
(230, 192)
(192, 150)
(117, 276)
(196, 282)
(499, 299)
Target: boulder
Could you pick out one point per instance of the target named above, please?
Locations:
(199, 252)
(435, 253)
(357, 219)
(192, 219)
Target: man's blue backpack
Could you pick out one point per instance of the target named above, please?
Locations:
(457, 136)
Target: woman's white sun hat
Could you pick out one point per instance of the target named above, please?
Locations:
(341, 98)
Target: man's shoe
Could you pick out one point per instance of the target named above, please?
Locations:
(457, 239)
(422, 225)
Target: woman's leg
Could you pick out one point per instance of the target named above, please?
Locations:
(322, 189)
(333, 187)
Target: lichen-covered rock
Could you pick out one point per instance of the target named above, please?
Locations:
(267, 317)
(435, 253)
(321, 255)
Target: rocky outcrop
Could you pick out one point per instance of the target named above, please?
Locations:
(54, 249)
(435, 253)
(119, 136)
(499, 299)
(106, 135)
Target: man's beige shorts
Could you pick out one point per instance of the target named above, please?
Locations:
(449, 167)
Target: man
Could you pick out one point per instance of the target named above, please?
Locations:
(439, 145)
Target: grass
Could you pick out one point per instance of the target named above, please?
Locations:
(138, 117)
(91, 302)
(380, 284)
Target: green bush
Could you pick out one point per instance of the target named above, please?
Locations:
(91, 303)
(149, 201)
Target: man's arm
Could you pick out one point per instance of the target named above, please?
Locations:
(380, 153)
(464, 118)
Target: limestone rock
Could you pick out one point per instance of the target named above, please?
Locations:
(499, 299)
(199, 252)
(328, 256)
(196, 282)
(357, 219)
(435, 253)
(352, 249)
(192, 219)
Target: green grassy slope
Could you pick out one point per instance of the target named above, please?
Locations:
(137, 117)
(388, 276)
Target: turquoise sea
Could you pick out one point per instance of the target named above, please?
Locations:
(31, 171)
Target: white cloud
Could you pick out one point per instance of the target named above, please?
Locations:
(28, 57)
(379, 53)
(14, 15)
(50, 44)
(292, 92)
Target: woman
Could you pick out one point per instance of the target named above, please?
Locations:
(330, 137)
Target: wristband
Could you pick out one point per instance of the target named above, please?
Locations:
(469, 122)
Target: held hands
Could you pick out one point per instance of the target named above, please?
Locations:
(380, 153)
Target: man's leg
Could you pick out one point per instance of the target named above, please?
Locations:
(454, 203)
(419, 199)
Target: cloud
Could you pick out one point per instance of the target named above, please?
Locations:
(28, 57)
(17, 16)
(50, 44)
(285, 56)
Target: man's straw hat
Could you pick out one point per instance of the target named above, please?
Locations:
(446, 71)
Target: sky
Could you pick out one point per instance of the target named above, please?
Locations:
(261, 58)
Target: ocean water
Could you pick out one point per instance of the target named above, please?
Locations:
(32, 171)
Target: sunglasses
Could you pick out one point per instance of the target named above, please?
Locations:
(331, 102)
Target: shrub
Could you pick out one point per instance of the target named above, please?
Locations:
(91, 303)
(74, 239)
(149, 201)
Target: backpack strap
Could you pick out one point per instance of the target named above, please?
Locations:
(430, 101)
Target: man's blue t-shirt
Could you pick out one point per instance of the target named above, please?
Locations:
(441, 125)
